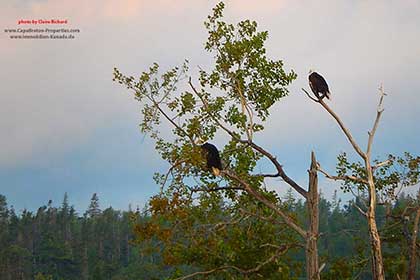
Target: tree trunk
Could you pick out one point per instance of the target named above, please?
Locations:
(413, 259)
(312, 201)
(85, 263)
(375, 240)
(127, 252)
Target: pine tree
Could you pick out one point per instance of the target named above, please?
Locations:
(93, 210)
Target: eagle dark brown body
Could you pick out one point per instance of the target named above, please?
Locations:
(212, 157)
(319, 86)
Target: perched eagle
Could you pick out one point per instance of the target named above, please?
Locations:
(318, 85)
(212, 157)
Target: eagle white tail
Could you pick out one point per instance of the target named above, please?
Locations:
(328, 95)
(216, 171)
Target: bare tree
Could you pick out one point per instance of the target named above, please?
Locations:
(368, 180)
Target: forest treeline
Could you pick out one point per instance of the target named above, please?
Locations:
(60, 243)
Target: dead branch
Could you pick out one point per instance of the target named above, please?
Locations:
(278, 253)
(222, 225)
(168, 172)
(264, 218)
(340, 123)
(282, 247)
(342, 178)
(216, 189)
(288, 220)
(375, 124)
(313, 99)
(244, 105)
(157, 106)
(267, 175)
(279, 168)
(256, 147)
(344, 129)
(360, 210)
(380, 164)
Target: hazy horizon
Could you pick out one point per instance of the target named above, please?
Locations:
(67, 127)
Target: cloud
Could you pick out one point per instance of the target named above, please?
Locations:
(56, 94)
(356, 46)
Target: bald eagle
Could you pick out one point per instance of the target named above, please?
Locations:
(319, 86)
(212, 157)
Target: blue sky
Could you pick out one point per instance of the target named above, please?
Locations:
(66, 127)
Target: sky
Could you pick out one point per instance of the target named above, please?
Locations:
(65, 126)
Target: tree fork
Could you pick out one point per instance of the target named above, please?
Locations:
(377, 260)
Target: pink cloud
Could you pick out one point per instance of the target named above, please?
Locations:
(79, 10)
(122, 8)
(246, 7)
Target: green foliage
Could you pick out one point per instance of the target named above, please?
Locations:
(170, 240)
(211, 234)
(397, 233)
(242, 69)
(200, 217)
(390, 177)
(396, 172)
(243, 85)
(40, 276)
(235, 96)
(57, 243)
(93, 210)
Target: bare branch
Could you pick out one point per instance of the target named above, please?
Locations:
(245, 107)
(222, 225)
(340, 123)
(168, 172)
(216, 189)
(267, 175)
(288, 220)
(342, 178)
(344, 129)
(322, 267)
(279, 168)
(282, 250)
(264, 218)
(207, 272)
(281, 247)
(157, 105)
(273, 159)
(378, 117)
(361, 198)
(313, 99)
(360, 210)
(383, 163)
(206, 105)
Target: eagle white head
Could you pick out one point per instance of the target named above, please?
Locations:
(199, 141)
